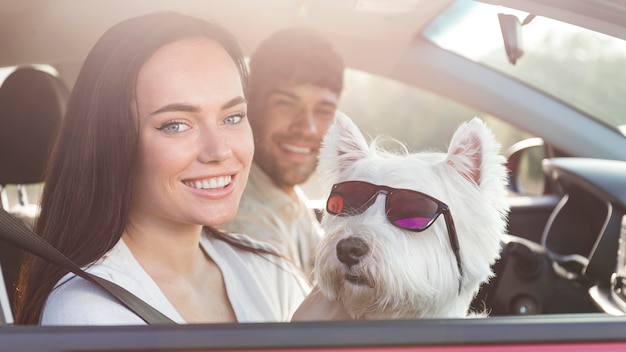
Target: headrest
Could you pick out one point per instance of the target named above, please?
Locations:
(32, 104)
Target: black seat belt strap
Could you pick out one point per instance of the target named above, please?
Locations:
(13, 231)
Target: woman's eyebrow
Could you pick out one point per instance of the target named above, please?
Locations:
(176, 107)
(234, 102)
(184, 107)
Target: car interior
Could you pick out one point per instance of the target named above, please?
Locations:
(562, 273)
(548, 276)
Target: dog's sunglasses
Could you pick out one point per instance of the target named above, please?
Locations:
(406, 209)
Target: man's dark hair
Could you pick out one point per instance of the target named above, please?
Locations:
(298, 55)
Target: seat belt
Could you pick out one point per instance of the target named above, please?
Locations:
(13, 231)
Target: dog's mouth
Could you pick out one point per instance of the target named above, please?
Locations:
(358, 280)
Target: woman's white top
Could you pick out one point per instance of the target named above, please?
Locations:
(260, 287)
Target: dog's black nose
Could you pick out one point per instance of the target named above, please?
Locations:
(350, 250)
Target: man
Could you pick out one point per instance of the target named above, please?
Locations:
(295, 81)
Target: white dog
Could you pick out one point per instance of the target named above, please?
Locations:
(412, 235)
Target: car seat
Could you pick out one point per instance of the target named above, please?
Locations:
(32, 104)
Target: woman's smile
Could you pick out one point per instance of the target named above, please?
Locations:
(209, 183)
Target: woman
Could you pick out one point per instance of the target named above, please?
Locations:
(153, 153)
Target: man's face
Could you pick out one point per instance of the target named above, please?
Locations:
(289, 124)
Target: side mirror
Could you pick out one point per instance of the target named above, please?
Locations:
(524, 162)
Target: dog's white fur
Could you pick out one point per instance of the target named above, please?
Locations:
(414, 274)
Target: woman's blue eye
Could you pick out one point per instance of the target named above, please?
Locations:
(174, 127)
(233, 119)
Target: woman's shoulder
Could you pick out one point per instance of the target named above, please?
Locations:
(76, 301)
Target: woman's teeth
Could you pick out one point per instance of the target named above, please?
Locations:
(214, 182)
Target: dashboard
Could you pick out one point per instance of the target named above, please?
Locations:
(578, 265)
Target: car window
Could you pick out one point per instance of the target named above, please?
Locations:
(581, 67)
(420, 119)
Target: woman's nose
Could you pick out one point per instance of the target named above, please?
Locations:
(214, 146)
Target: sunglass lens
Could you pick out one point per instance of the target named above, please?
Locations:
(334, 204)
(410, 210)
(349, 197)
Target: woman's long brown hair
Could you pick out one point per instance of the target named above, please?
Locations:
(87, 192)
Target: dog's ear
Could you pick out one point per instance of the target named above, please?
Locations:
(343, 145)
(472, 148)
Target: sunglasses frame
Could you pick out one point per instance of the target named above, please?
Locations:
(442, 208)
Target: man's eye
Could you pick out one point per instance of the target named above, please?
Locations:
(325, 114)
(234, 119)
(174, 127)
(285, 104)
